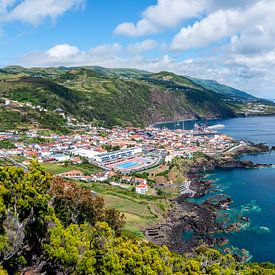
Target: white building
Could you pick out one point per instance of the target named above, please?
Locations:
(86, 153)
(60, 157)
(142, 189)
(121, 154)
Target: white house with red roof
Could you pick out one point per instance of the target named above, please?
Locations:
(142, 189)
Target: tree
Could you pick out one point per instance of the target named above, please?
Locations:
(57, 226)
(74, 204)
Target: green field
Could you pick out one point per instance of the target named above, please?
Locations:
(140, 211)
(55, 168)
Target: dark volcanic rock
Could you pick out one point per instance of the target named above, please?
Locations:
(183, 216)
(200, 219)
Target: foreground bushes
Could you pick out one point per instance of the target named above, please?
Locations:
(51, 225)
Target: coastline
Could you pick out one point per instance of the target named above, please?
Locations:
(175, 121)
(189, 119)
(199, 220)
(212, 118)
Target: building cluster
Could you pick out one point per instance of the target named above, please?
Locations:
(106, 147)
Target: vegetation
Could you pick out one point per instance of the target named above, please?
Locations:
(57, 227)
(110, 148)
(57, 168)
(140, 210)
(109, 97)
(6, 144)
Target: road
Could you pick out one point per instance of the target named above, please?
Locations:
(184, 188)
(13, 161)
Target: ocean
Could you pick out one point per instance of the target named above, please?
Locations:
(252, 190)
(257, 129)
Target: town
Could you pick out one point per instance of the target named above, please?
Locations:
(109, 155)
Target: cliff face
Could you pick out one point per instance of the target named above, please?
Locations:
(108, 97)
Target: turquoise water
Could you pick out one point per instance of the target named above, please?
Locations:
(127, 165)
(253, 193)
(252, 190)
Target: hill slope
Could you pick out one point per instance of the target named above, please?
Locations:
(52, 226)
(50, 97)
(222, 89)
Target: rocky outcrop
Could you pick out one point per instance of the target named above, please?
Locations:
(200, 219)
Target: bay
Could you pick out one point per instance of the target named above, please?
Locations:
(252, 190)
(256, 129)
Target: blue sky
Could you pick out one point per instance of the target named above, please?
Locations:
(229, 41)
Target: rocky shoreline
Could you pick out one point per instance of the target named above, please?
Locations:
(199, 221)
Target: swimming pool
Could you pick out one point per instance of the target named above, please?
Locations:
(127, 165)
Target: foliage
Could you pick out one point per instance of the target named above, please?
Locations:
(55, 226)
(197, 155)
(110, 148)
(10, 119)
(74, 204)
(109, 97)
(6, 144)
(95, 250)
(143, 175)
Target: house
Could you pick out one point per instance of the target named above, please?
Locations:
(73, 174)
(60, 157)
(142, 189)
(30, 154)
(45, 153)
(101, 176)
(76, 160)
(87, 178)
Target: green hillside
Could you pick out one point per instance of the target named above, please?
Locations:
(49, 97)
(53, 226)
(222, 89)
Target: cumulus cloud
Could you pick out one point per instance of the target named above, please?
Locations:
(143, 46)
(252, 73)
(225, 23)
(165, 14)
(62, 51)
(35, 11)
(256, 40)
(106, 50)
(244, 59)
(213, 5)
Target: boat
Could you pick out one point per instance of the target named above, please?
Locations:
(216, 127)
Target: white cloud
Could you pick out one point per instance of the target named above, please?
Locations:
(62, 51)
(143, 46)
(225, 23)
(256, 40)
(68, 55)
(35, 11)
(165, 14)
(105, 50)
(252, 73)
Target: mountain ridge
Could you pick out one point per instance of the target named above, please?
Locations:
(120, 96)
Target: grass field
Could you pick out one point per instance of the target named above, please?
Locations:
(140, 211)
(55, 168)
(138, 208)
